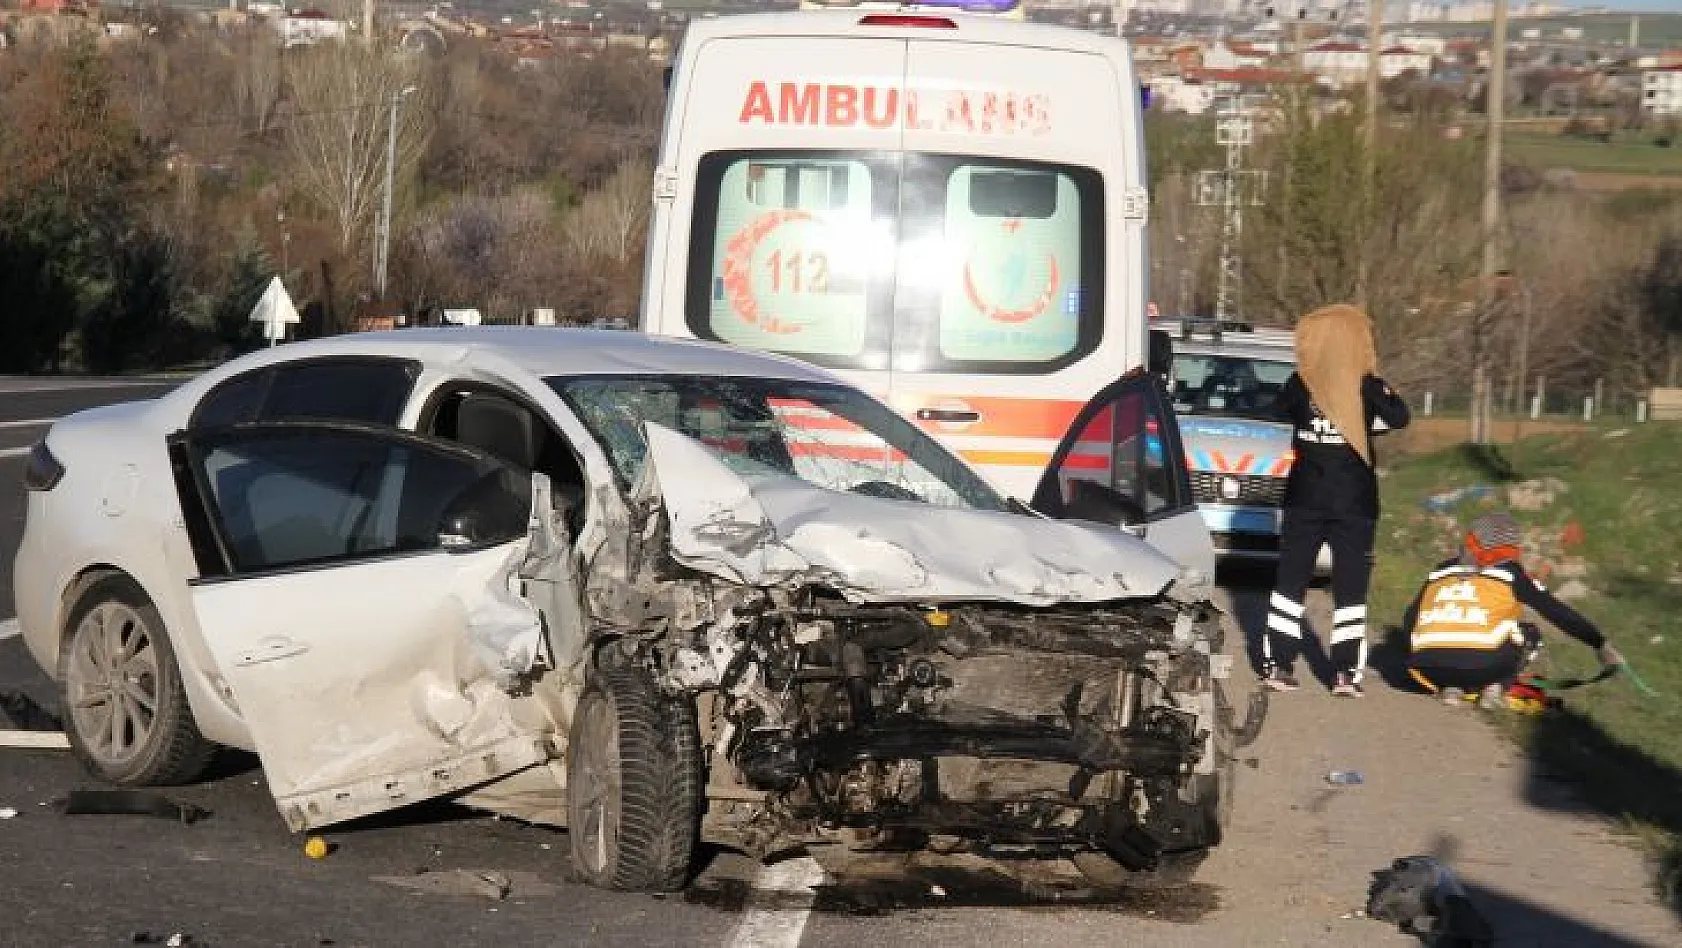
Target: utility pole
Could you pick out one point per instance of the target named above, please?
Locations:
(1495, 108)
(1230, 188)
(1369, 147)
(382, 236)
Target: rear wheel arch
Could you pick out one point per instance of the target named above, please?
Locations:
(67, 599)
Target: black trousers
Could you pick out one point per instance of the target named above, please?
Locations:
(1350, 539)
(1472, 669)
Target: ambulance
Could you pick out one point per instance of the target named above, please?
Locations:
(946, 209)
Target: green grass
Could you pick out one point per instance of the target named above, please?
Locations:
(1657, 29)
(1621, 750)
(1626, 154)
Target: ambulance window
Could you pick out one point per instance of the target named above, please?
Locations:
(1021, 254)
(788, 260)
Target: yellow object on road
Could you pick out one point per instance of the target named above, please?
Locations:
(317, 848)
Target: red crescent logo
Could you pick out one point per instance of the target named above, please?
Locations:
(738, 270)
(1002, 315)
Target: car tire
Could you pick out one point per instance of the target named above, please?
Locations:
(117, 660)
(633, 784)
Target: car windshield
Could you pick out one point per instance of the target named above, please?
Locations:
(1230, 386)
(828, 435)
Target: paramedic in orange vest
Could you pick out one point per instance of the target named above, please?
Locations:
(1331, 494)
(1466, 629)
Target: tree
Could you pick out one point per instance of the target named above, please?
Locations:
(341, 96)
(128, 326)
(250, 271)
(610, 221)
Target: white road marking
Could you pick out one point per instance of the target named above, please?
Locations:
(779, 905)
(28, 423)
(8, 628)
(14, 452)
(35, 740)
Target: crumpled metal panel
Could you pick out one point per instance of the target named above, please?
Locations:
(768, 531)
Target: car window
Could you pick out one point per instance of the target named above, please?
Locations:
(915, 262)
(826, 435)
(1118, 463)
(370, 391)
(1228, 385)
(233, 402)
(285, 496)
(367, 390)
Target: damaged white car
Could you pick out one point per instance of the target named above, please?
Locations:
(656, 592)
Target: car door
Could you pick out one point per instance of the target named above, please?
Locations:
(1122, 463)
(350, 575)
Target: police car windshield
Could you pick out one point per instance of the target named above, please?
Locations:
(1229, 386)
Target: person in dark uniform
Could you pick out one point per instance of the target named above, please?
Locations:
(1465, 628)
(1331, 495)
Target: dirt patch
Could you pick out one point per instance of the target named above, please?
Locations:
(1424, 435)
(1610, 181)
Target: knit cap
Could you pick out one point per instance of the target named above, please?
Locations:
(1493, 537)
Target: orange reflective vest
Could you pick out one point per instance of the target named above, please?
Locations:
(1468, 607)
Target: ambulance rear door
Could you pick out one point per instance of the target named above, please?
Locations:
(1007, 296)
(780, 171)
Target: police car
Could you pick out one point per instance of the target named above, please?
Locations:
(1225, 377)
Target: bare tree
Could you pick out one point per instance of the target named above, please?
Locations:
(342, 95)
(610, 221)
(257, 82)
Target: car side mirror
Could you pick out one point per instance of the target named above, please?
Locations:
(495, 509)
(1161, 357)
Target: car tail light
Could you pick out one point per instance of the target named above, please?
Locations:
(908, 19)
(42, 471)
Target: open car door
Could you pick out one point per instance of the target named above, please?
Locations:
(1122, 464)
(350, 576)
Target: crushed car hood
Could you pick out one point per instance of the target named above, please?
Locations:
(779, 530)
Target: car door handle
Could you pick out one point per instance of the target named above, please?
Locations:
(271, 649)
(948, 415)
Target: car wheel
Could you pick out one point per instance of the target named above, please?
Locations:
(633, 784)
(127, 715)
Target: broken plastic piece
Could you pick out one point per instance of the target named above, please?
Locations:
(1423, 897)
(1345, 778)
(130, 803)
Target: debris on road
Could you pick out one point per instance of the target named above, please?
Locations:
(317, 848)
(130, 803)
(1423, 897)
(489, 884)
(7, 812)
(173, 940)
(1345, 778)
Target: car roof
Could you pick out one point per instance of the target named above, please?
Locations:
(967, 28)
(546, 351)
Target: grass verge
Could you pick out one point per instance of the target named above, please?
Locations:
(1603, 518)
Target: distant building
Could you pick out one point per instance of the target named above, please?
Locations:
(1337, 62)
(1396, 60)
(308, 27)
(1661, 91)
